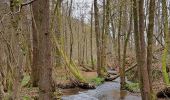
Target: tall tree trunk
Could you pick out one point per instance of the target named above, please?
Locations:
(166, 53)
(98, 36)
(124, 51)
(150, 39)
(118, 44)
(58, 31)
(144, 71)
(91, 39)
(35, 64)
(17, 55)
(41, 27)
(107, 32)
(103, 38)
(71, 32)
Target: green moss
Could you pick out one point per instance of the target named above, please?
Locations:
(26, 98)
(97, 80)
(132, 87)
(25, 80)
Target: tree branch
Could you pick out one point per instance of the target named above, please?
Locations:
(27, 3)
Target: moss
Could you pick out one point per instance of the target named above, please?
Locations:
(132, 87)
(97, 80)
(26, 98)
(25, 80)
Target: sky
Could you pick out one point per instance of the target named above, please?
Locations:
(82, 8)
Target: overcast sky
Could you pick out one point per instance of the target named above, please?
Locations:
(82, 7)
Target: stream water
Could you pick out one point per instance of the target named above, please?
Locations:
(106, 91)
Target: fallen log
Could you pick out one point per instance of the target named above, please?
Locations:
(87, 69)
(111, 78)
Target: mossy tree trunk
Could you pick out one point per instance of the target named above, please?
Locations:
(58, 31)
(150, 40)
(166, 53)
(17, 58)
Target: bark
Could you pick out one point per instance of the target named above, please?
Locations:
(166, 53)
(104, 37)
(107, 32)
(97, 32)
(144, 71)
(91, 39)
(17, 55)
(41, 18)
(71, 32)
(58, 31)
(123, 83)
(35, 64)
(150, 39)
(118, 44)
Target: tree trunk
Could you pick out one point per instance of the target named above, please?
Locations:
(166, 53)
(124, 51)
(41, 18)
(150, 39)
(71, 32)
(144, 71)
(118, 44)
(58, 31)
(100, 69)
(91, 39)
(17, 52)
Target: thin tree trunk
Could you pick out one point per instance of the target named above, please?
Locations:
(91, 39)
(118, 44)
(58, 31)
(150, 40)
(166, 53)
(143, 64)
(123, 82)
(98, 38)
(71, 32)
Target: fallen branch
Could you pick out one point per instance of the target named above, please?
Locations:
(27, 3)
(116, 76)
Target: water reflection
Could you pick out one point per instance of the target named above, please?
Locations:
(107, 91)
(123, 94)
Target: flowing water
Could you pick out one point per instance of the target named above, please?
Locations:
(106, 91)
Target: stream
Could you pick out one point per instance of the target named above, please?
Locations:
(106, 91)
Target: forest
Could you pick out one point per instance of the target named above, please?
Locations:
(84, 50)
